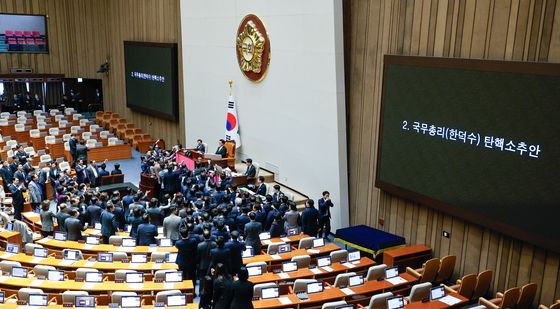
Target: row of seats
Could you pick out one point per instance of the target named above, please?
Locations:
(518, 298)
(22, 33)
(125, 130)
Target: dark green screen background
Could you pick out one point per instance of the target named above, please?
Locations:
(519, 191)
(147, 95)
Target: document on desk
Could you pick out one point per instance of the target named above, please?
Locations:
(66, 262)
(124, 249)
(157, 266)
(88, 285)
(87, 247)
(449, 300)
(285, 239)
(37, 260)
(396, 280)
(36, 282)
(275, 257)
(43, 240)
(328, 269)
(6, 256)
(347, 291)
(284, 275)
(95, 232)
(348, 265)
(152, 249)
(138, 286)
(285, 300)
(313, 251)
(168, 285)
(4, 278)
(316, 271)
(89, 264)
(32, 214)
(267, 242)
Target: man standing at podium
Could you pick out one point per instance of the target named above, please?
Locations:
(222, 149)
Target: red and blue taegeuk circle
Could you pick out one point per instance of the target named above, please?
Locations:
(231, 122)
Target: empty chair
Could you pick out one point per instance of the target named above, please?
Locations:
(93, 127)
(42, 270)
(4, 115)
(257, 288)
(333, 304)
(37, 112)
(273, 247)
(4, 122)
(29, 247)
(556, 305)
(427, 273)
(6, 266)
(119, 256)
(67, 146)
(77, 116)
(446, 267)
(507, 300)
(19, 127)
(306, 243)
(54, 131)
(86, 135)
(419, 292)
(339, 256)
(64, 166)
(300, 285)
(30, 151)
(49, 139)
(91, 143)
(376, 271)
(157, 256)
(104, 134)
(22, 120)
(69, 111)
(116, 296)
(483, 281)
(80, 255)
(66, 137)
(23, 293)
(68, 297)
(34, 133)
(115, 240)
(21, 113)
(303, 261)
(81, 272)
(120, 274)
(63, 123)
(84, 122)
(41, 125)
(58, 117)
(10, 153)
(464, 287)
(341, 280)
(53, 112)
(11, 143)
(75, 129)
(160, 274)
(526, 296)
(263, 266)
(112, 141)
(379, 301)
(161, 297)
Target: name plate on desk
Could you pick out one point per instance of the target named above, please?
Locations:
(284, 275)
(284, 300)
(316, 271)
(396, 280)
(275, 257)
(347, 291)
(285, 239)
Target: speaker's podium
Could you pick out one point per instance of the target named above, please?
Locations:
(192, 157)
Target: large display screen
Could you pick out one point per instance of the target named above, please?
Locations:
(476, 139)
(23, 34)
(151, 78)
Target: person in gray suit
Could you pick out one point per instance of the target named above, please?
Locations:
(74, 227)
(291, 218)
(171, 225)
(252, 231)
(35, 194)
(47, 224)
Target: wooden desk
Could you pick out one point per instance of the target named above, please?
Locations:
(288, 240)
(14, 305)
(278, 258)
(106, 286)
(315, 273)
(333, 294)
(409, 256)
(436, 304)
(10, 237)
(33, 219)
(57, 245)
(31, 261)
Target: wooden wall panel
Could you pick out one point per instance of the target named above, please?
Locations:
(83, 33)
(525, 30)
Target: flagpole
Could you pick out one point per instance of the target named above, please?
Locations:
(230, 87)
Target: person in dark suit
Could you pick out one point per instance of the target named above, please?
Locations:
(146, 234)
(310, 219)
(20, 174)
(186, 253)
(92, 174)
(242, 220)
(73, 225)
(251, 170)
(17, 189)
(80, 169)
(222, 291)
(81, 151)
(200, 146)
(222, 149)
(134, 221)
(325, 205)
(109, 224)
(7, 175)
(73, 143)
(252, 231)
(242, 291)
(203, 254)
(93, 213)
(61, 217)
(14, 164)
(220, 255)
(155, 213)
(261, 187)
(171, 181)
(116, 170)
(102, 170)
(236, 249)
(277, 226)
(21, 154)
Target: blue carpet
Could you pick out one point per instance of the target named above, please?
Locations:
(130, 168)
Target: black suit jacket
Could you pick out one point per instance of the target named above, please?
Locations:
(251, 171)
(236, 249)
(221, 255)
(242, 295)
(261, 190)
(203, 258)
(222, 151)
